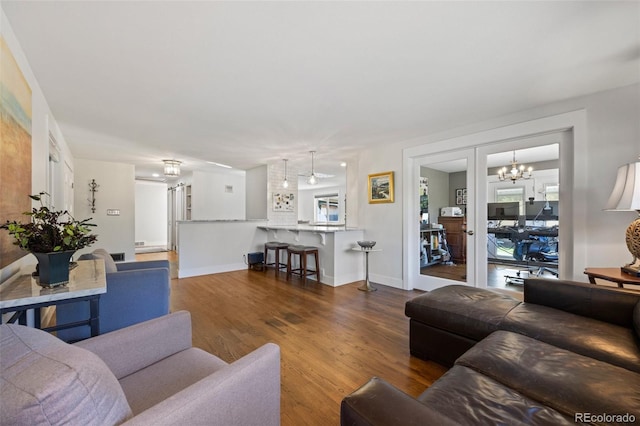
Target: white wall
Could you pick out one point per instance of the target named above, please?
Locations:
(116, 234)
(256, 193)
(210, 199)
(42, 122)
(151, 213)
(613, 139)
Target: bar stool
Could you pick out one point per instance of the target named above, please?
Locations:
(302, 252)
(276, 246)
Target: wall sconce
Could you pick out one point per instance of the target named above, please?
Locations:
(172, 168)
(285, 182)
(93, 188)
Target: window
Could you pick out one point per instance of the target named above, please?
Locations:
(327, 208)
(507, 195)
(552, 191)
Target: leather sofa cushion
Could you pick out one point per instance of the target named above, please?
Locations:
(470, 398)
(565, 381)
(636, 319)
(467, 311)
(613, 305)
(46, 381)
(606, 342)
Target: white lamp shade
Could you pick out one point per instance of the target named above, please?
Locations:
(626, 191)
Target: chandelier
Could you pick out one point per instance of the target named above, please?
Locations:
(172, 168)
(516, 173)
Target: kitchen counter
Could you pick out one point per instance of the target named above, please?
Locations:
(213, 246)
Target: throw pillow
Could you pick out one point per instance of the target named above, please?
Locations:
(46, 381)
(109, 263)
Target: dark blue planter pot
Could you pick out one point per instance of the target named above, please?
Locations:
(53, 268)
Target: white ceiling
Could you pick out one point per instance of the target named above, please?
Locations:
(245, 83)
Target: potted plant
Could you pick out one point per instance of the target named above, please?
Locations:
(52, 237)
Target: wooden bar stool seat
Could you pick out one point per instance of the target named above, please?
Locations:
(274, 246)
(302, 270)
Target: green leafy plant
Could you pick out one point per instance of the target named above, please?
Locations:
(50, 231)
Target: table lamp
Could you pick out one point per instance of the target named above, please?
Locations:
(626, 197)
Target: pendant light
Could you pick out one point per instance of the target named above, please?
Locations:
(285, 182)
(312, 179)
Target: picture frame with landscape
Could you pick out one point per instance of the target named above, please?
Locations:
(380, 188)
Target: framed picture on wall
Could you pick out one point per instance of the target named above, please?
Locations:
(461, 196)
(283, 202)
(381, 188)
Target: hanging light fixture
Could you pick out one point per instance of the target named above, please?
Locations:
(285, 182)
(516, 172)
(172, 168)
(312, 179)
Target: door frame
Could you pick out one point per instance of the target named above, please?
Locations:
(572, 153)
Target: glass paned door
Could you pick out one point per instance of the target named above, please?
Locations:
(444, 207)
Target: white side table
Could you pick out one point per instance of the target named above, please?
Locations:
(367, 284)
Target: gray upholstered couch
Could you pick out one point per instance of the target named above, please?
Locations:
(146, 374)
(570, 353)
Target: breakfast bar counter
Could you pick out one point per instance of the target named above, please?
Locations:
(212, 246)
(338, 263)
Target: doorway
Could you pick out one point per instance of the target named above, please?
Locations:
(565, 130)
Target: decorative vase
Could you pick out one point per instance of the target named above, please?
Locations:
(53, 268)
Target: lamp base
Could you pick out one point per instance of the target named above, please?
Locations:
(630, 270)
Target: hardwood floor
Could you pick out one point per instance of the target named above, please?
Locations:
(332, 339)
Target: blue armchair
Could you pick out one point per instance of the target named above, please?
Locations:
(136, 292)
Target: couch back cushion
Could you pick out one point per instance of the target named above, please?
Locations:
(607, 304)
(46, 381)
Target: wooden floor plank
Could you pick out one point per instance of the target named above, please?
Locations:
(332, 339)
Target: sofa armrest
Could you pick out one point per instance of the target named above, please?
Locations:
(130, 349)
(247, 392)
(606, 304)
(381, 404)
(145, 264)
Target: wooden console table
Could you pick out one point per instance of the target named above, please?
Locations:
(611, 274)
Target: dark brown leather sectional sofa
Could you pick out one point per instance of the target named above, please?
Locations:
(570, 353)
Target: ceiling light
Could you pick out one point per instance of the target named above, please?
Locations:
(343, 164)
(312, 179)
(626, 197)
(516, 172)
(172, 168)
(219, 164)
(155, 174)
(285, 182)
